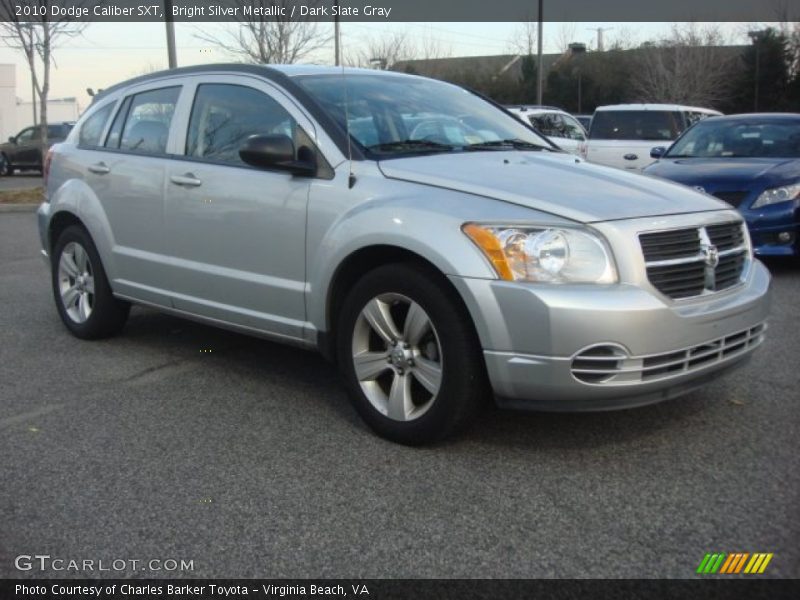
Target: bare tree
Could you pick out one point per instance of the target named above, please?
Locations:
(388, 50)
(382, 52)
(36, 37)
(566, 36)
(263, 39)
(523, 41)
(691, 66)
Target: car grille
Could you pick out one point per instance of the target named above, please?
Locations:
(611, 364)
(682, 263)
(732, 198)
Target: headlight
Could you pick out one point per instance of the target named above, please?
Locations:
(779, 194)
(552, 255)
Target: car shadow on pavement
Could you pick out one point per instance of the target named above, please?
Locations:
(254, 362)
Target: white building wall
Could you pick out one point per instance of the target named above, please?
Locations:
(16, 114)
(8, 101)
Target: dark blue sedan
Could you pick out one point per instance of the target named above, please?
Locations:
(750, 161)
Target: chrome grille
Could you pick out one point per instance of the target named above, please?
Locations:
(611, 364)
(682, 263)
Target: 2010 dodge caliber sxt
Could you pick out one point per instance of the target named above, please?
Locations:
(436, 248)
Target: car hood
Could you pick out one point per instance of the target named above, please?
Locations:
(555, 183)
(733, 173)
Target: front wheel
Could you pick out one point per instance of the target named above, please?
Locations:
(82, 294)
(409, 354)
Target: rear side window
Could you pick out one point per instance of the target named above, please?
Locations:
(657, 125)
(224, 116)
(58, 131)
(92, 128)
(148, 119)
(556, 125)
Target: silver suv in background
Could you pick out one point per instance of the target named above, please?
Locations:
(622, 135)
(438, 250)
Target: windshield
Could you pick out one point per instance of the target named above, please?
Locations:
(659, 125)
(394, 116)
(731, 139)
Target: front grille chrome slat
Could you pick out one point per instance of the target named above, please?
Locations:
(689, 262)
(610, 365)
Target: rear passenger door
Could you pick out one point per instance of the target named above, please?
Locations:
(237, 233)
(125, 167)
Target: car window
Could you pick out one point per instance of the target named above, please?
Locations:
(26, 135)
(740, 139)
(557, 125)
(395, 116)
(92, 128)
(58, 131)
(224, 116)
(658, 125)
(115, 133)
(147, 123)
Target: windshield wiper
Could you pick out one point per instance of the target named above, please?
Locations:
(411, 146)
(516, 144)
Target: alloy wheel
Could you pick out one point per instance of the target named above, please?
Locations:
(397, 356)
(76, 282)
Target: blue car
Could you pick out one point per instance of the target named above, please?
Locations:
(750, 161)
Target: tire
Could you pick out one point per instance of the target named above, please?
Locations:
(430, 382)
(81, 291)
(5, 167)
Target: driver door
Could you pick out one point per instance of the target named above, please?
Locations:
(237, 233)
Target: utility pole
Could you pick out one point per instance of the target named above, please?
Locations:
(600, 31)
(171, 57)
(336, 50)
(756, 37)
(540, 67)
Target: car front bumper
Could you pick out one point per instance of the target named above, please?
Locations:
(575, 348)
(769, 224)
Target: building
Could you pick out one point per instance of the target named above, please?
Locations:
(16, 114)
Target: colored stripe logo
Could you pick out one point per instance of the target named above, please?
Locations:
(733, 563)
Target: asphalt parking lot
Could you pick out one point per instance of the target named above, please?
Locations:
(21, 181)
(179, 441)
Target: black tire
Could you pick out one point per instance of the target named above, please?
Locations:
(5, 167)
(463, 374)
(108, 314)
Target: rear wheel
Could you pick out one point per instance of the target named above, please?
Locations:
(409, 355)
(82, 294)
(5, 166)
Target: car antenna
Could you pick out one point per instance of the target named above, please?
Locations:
(351, 178)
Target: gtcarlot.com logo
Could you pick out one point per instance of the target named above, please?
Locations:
(734, 563)
(45, 562)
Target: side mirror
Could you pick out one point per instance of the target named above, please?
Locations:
(12, 140)
(657, 152)
(276, 151)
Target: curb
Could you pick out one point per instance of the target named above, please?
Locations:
(18, 208)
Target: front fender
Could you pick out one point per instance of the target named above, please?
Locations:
(417, 218)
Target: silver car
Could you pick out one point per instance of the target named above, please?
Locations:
(437, 249)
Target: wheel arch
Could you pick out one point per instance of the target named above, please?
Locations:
(355, 266)
(58, 223)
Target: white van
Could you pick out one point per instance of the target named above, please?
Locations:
(622, 135)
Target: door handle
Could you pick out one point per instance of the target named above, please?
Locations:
(186, 180)
(100, 168)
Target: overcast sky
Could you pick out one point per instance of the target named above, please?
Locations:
(110, 52)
